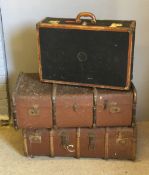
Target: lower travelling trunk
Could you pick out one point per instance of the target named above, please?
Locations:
(115, 142)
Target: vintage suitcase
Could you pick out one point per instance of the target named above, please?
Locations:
(96, 53)
(40, 105)
(32, 103)
(115, 142)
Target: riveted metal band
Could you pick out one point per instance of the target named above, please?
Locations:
(95, 95)
(134, 105)
(51, 143)
(106, 143)
(13, 103)
(25, 143)
(78, 143)
(54, 89)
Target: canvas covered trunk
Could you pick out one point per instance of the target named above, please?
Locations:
(115, 142)
(96, 53)
(39, 105)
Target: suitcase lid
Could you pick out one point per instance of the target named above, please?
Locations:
(88, 24)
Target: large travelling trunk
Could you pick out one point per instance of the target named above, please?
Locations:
(40, 105)
(115, 142)
(86, 52)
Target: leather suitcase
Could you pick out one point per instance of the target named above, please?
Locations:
(39, 105)
(115, 142)
(96, 53)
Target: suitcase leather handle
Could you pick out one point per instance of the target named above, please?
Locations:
(86, 14)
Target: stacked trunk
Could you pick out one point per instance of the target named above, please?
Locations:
(83, 103)
(62, 120)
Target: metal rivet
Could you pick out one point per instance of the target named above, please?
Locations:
(100, 97)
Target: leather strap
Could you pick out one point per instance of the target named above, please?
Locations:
(134, 104)
(52, 154)
(106, 143)
(95, 94)
(54, 89)
(92, 141)
(78, 143)
(25, 143)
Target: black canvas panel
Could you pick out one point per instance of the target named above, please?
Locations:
(91, 57)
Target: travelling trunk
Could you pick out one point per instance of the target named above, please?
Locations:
(40, 105)
(114, 142)
(96, 53)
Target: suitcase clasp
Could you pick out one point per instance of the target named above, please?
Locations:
(92, 138)
(120, 139)
(65, 142)
(114, 108)
(34, 110)
(75, 107)
(35, 138)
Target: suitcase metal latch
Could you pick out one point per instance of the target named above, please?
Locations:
(114, 108)
(92, 138)
(75, 107)
(120, 139)
(34, 110)
(65, 143)
(35, 138)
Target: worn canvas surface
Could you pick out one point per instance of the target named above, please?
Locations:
(91, 57)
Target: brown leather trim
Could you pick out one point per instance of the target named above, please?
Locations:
(52, 154)
(106, 143)
(54, 89)
(129, 60)
(78, 143)
(94, 106)
(134, 94)
(39, 55)
(134, 105)
(87, 85)
(81, 27)
(133, 25)
(25, 143)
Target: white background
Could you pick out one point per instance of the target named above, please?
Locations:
(3, 77)
(20, 17)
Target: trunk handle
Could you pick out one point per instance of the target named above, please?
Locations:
(86, 14)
